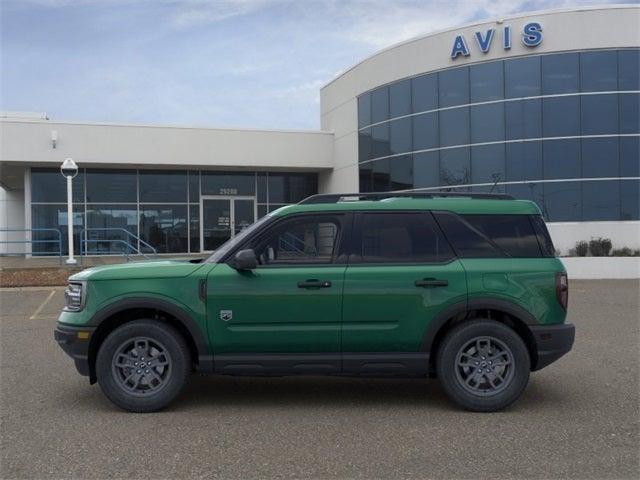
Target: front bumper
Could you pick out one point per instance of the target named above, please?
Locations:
(75, 342)
(552, 342)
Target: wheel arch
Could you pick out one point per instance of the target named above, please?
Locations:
(502, 311)
(130, 309)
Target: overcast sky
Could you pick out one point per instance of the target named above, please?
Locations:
(244, 63)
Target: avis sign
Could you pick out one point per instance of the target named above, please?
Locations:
(531, 37)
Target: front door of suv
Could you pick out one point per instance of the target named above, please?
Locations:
(285, 315)
(402, 273)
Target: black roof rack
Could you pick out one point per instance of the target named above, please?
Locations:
(354, 197)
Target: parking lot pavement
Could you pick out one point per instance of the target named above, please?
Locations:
(579, 418)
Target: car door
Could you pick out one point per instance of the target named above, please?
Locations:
(284, 316)
(401, 274)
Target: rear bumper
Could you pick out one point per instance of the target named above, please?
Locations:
(74, 345)
(552, 342)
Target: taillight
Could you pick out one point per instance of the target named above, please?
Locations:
(562, 289)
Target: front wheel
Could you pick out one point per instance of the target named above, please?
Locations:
(483, 365)
(143, 365)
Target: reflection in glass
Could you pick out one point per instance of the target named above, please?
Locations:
(401, 172)
(365, 145)
(54, 216)
(216, 226)
(426, 169)
(164, 227)
(487, 164)
(112, 222)
(194, 227)
(455, 168)
(425, 131)
(630, 157)
(380, 141)
(629, 195)
(562, 201)
(629, 113)
(629, 69)
(523, 161)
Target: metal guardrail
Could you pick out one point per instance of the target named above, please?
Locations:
(128, 248)
(31, 241)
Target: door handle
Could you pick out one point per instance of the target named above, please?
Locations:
(431, 282)
(314, 284)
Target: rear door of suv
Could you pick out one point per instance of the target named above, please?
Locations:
(401, 274)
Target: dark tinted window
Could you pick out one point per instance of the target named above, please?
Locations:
(629, 113)
(163, 187)
(560, 73)
(364, 144)
(194, 186)
(600, 157)
(522, 77)
(598, 71)
(49, 186)
(364, 110)
(487, 82)
(426, 169)
(491, 235)
(164, 227)
(454, 87)
(561, 116)
(523, 119)
(401, 172)
(228, 183)
(561, 159)
(487, 164)
(487, 123)
(380, 141)
(629, 69)
(424, 93)
(454, 127)
(400, 99)
(402, 238)
(425, 131)
(291, 187)
(562, 201)
(455, 168)
(106, 186)
(400, 135)
(380, 105)
(523, 161)
(599, 114)
(544, 239)
(601, 200)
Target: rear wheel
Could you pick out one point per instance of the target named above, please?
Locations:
(143, 365)
(483, 365)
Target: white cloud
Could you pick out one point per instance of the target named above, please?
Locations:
(190, 13)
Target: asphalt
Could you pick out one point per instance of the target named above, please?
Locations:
(578, 418)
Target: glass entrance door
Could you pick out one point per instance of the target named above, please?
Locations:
(221, 218)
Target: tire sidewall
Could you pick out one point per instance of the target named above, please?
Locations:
(176, 348)
(446, 365)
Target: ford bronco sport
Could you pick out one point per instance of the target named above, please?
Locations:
(463, 287)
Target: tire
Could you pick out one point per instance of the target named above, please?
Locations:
(140, 383)
(494, 350)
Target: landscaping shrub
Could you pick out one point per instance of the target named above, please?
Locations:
(600, 247)
(582, 248)
(625, 252)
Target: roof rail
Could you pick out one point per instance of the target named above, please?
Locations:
(354, 197)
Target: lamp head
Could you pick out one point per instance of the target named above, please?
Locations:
(69, 168)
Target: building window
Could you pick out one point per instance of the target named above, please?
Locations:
(487, 81)
(453, 87)
(560, 73)
(424, 93)
(163, 186)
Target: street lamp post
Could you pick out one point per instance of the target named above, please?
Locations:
(69, 169)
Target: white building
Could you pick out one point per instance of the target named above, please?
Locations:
(542, 106)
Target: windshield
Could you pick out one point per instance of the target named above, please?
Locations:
(232, 243)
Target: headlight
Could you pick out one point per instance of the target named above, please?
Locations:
(74, 297)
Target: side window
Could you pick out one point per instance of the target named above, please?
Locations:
(482, 236)
(304, 240)
(544, 239)
(401, 238)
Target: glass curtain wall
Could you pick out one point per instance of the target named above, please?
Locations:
(160, 207)
(559, 129)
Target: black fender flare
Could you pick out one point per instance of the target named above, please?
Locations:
(205, 358)
(464, 307)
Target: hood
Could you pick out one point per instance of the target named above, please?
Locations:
(140, 270)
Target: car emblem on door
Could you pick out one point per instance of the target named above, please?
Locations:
(226, 315)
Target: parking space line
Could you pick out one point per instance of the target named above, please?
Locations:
(35, 314)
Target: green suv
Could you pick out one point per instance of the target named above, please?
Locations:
(462, 287)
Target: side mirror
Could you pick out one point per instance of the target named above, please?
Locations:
(245, 260)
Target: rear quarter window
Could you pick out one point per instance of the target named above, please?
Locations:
(491, 236)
